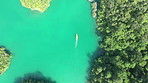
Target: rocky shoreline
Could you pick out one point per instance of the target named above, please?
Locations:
(94, 8)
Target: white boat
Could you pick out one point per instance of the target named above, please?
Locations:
(90, 0)
(76, 43)
(76, 36)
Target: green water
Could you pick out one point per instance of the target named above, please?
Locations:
(45, 42)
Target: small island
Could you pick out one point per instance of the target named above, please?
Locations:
(5, 57)
(39, 5)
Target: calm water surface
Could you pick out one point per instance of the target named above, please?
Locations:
(45, 42)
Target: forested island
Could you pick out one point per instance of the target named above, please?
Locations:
(5, 58)
(39, 5)
(123, 26)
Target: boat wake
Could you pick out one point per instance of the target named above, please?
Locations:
(76, 43)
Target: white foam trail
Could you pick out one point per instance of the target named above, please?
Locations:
(76, 43)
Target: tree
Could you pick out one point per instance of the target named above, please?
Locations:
(40, 5)
(5, 58)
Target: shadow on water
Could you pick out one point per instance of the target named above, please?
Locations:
(36, 77)
(6, 50)
(96, 54)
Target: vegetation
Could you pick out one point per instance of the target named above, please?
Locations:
(36, 77)
(123, 26)
(5, 58)
(40, 5)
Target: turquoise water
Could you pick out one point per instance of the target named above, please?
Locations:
(45, 42)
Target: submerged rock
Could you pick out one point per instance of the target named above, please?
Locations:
(39, 5)
(5, 58)
(94, 15)
(35, 77)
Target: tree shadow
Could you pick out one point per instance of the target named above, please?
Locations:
(96, 54)
(6, 50)
(36, 76)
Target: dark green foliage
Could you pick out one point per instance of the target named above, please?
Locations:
(36, 77)
(123, 26)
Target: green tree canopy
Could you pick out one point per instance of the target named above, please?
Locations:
(123, 26)
(40, 5)
(5, 58)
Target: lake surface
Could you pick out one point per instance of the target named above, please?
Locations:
(45, 42)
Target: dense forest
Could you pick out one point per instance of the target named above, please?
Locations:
(123, 26)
